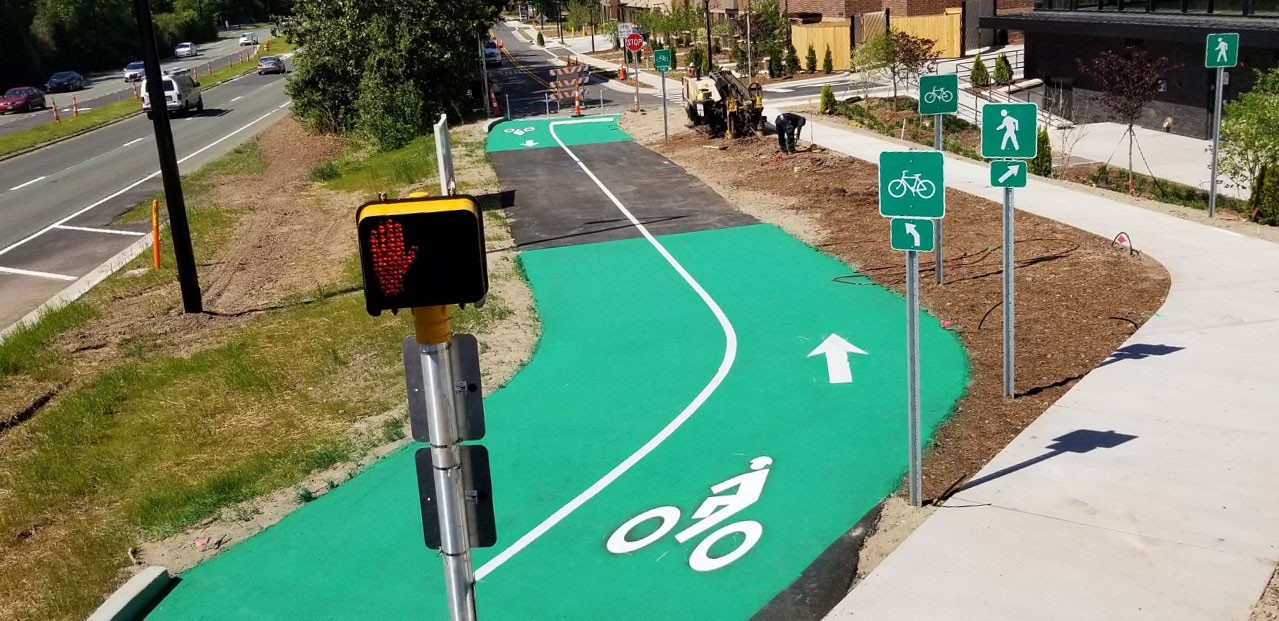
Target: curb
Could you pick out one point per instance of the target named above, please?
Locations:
(134, 597)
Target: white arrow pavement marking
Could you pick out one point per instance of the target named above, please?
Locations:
(1012, 170)
(836, 350)
(910, 230)
(530, 143)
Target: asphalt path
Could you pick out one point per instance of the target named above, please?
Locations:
(109, 87)
(57, 204)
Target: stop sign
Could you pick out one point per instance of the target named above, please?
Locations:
(634, 42)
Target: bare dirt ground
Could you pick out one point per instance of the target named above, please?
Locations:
(1069, 319)
(1267, 608)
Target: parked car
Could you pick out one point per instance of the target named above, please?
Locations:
(492, 55)
(22, 99)
(181, 94)
(271, 64)
(248, 38)
(64, 81)
(184, 49)
(135, 71)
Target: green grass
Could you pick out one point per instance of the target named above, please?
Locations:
(26, 349)
(389, 171)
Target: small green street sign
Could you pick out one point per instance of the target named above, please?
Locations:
(1008, 130)
(911, 234)
(939, 94)
(662, 60)
(911, 184)
(1222, 50)
(1008, 174)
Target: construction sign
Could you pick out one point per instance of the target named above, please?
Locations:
(568, 80)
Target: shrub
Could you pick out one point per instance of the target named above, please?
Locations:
(696, 57)
(1003, 70)
(828, 64)
(827, 102)
(978, 75)
(792, 60)
(1265, 200)
(1042, 165)
(541, 41)
(810, 60)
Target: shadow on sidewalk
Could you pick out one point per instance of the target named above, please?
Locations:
(1078, 441)
(1139, 351)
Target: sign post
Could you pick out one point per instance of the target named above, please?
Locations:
(635, 43)
(426, 254)
(912, 191)
(1221, 51)
(662, 62)
(939, 95)
(1008, 131)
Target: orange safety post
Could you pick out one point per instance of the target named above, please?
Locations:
(53, 103)
(577, 101)
(266, 47)
(210, 68)
(155, 232)
(493, 109)
(75, 108)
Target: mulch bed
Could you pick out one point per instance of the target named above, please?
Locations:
(1078, 298)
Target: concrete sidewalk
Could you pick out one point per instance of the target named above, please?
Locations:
(1148, 490)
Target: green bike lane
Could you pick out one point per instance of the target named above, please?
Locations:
(626, 373)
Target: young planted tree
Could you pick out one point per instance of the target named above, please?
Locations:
(827, 101)
(1250, 137)
(792, 60)
(978, 76)
(1128, 83)
(583, 14)
(1003, 70)
(828, 63)
(541, 41)
(1042, 165)
(897, 57)
(810, 60)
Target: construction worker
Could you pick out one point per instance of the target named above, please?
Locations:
(788, 126)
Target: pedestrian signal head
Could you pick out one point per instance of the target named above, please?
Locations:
(422, 252)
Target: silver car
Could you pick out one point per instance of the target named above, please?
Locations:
(184, 50)
(135, 71)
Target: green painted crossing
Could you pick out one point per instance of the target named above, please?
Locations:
(526, 134)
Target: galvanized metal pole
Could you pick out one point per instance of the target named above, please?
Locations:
(508, 106)
(1010, 354)
(601, 100)
(636, 82)
(1216, 143)
(484, 96)
(912, 377)
(938, 253)
(666, 133)
(455, 541)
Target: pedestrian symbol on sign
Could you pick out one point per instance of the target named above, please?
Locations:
(1009, 127)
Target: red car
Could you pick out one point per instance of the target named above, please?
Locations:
(22, 99)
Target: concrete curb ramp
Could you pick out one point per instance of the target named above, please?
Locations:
(132, 600)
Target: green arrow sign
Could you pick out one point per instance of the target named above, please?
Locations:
(939, 94)
(1008, 130)
(1222, 50)
(911, 184)
(662, 60)
(911, 234)
(1008, 174)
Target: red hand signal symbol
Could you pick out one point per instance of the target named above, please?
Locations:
(391, 260)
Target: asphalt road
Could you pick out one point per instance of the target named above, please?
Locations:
(109, 87)
(57, 204)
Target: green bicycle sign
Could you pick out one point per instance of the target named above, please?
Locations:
(911, 184)
(939, 94)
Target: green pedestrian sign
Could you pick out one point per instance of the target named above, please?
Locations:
(939, 94)
(1222, 50)
(1008, 130)
(1008, 174)
(911, 184)
(911, 234)
(662, 60)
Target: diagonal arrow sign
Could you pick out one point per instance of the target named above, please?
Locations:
(836, 350)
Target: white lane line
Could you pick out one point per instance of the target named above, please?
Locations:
(23, 185)
(14, 270)
(134, 141)
(140, 181)
(237, 98)
(88, 229)
(730, 354)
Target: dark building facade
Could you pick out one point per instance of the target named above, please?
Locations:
(1058, 32)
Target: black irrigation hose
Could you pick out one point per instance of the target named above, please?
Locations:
(965, 260)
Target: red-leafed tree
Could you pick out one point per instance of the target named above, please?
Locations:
(1128, 82)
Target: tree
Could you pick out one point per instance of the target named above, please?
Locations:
(792, 60)
(1128, 83)
(1250, 135)
(828, 64)
(810, 59)
(1042, 165)
(767, 35)
(978, 76)
(541, 41)
(1003, 71)
(581, 14)
(896, 56)
(696, 57)
(827, 101)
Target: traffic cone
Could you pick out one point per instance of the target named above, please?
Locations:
(134, 84)
(493, 109)
(621, 73)
(54, 104)
(577, 101)
(75, 108)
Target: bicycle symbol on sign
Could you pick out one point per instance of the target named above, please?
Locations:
(921, 188)
(714, 510)
(519, 132)
(938, 93)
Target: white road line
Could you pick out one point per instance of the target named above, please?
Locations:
(23, 185)
(88, 229)
(14, 270)
(237, 98)
(134, 141)
(730, 354)
(139, 181)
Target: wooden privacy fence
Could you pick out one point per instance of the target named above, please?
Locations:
(837, 36)
(867, 25)
(945, 30)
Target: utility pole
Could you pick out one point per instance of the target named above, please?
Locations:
(559, 13)
(710, 58)
(750, 60)
(184, 254)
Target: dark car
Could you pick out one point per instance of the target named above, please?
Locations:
(22, 99)
(64, 81)
(270, 64)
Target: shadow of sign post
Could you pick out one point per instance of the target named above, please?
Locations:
(1077, 441)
